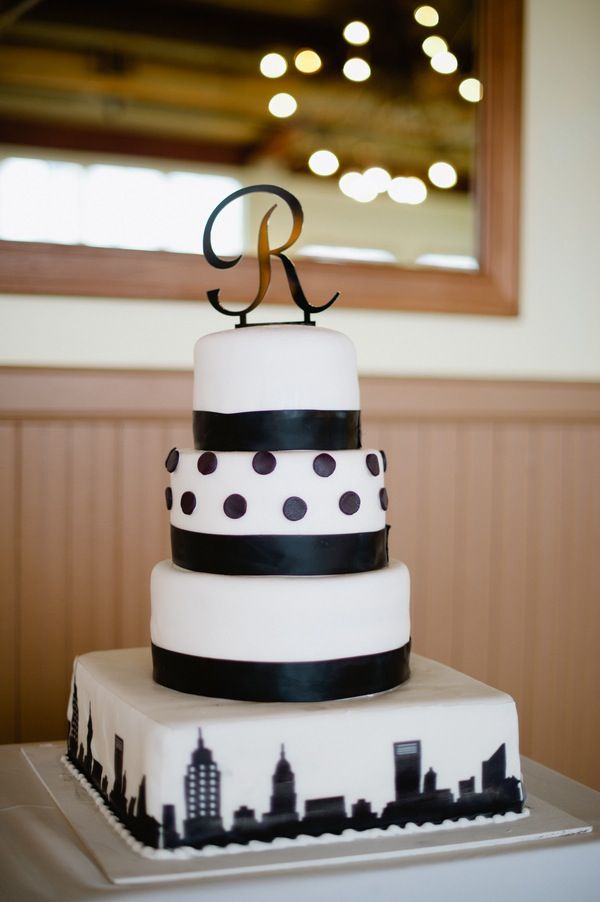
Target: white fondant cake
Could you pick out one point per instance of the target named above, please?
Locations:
(179, 770)
(276, 367)
(279, 587)
(278, 602)
(280, 618)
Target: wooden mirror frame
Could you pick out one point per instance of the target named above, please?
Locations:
(50, 269)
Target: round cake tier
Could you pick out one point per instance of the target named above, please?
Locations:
(280, 638)
(287, 512)
(276, 387)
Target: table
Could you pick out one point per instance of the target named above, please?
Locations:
(42, 858)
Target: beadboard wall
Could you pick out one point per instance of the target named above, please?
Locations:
(494, 505)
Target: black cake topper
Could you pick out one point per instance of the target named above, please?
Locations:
(265, 252)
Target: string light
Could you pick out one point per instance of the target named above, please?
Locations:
(353, 185)
(471, 89)
(357, 69)
(357, 33)
(407, 190)
(323, 162)
(427, 16)
(273, 65)
(442, 175)
(307, 61)
(445, 63)
(377, 178)
(434, 44)
(282, 105)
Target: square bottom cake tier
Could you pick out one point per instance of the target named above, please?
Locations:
(183, 770)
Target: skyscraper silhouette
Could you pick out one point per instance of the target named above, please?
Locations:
(118, 792)
(430, 781)
(147, 828)
(88, 762)
(170, 836)
(118, 764)
(407, 768)
(202, 794)
(466, 787)
(493, 771)
(74, 725)
(283, 797)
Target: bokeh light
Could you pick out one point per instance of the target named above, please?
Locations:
(323, 162)
(273, 65)
(442, 175)
(357, 69)
(357, 33)
(353, 185)
(427, 16)
(377, 178)
(282, 105)
(445, 63)
(409, 190)
(307, 61)
(434, 44)
(471, 89)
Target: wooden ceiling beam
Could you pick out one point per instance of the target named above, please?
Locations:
(323, 103)
(151, 48)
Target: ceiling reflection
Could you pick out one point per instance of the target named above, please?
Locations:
(365, 110)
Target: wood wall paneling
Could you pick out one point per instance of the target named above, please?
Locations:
(474, 550)
(10, 473)
(579, 740)
(494, 505)
(507, 639)
(94, 586)
(46, 550)
(546, 641)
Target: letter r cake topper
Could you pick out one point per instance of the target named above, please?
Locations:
(265, 252)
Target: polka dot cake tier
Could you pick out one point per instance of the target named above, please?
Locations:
(281, 514)
(254, 497)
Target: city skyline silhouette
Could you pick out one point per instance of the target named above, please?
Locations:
(416, 797)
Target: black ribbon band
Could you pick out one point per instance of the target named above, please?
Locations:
(279, 555)
(298, 681)
(277, 430)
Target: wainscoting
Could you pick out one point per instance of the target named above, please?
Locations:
(494, 505)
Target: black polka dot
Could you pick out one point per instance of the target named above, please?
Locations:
(207, 462)
(294, 508)
(324, 464)
(349, 503)
(383, 499)
(169, 497)
(373, 464)
(384, 459)
(264, 462)
(235, 506)
(188, 502)
(172, 460)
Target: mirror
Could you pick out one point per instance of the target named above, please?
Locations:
(189, 82)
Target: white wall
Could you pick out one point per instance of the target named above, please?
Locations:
(557, 334)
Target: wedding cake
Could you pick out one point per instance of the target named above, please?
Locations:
(277, 701)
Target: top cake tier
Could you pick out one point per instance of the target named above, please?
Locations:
(276, 387)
